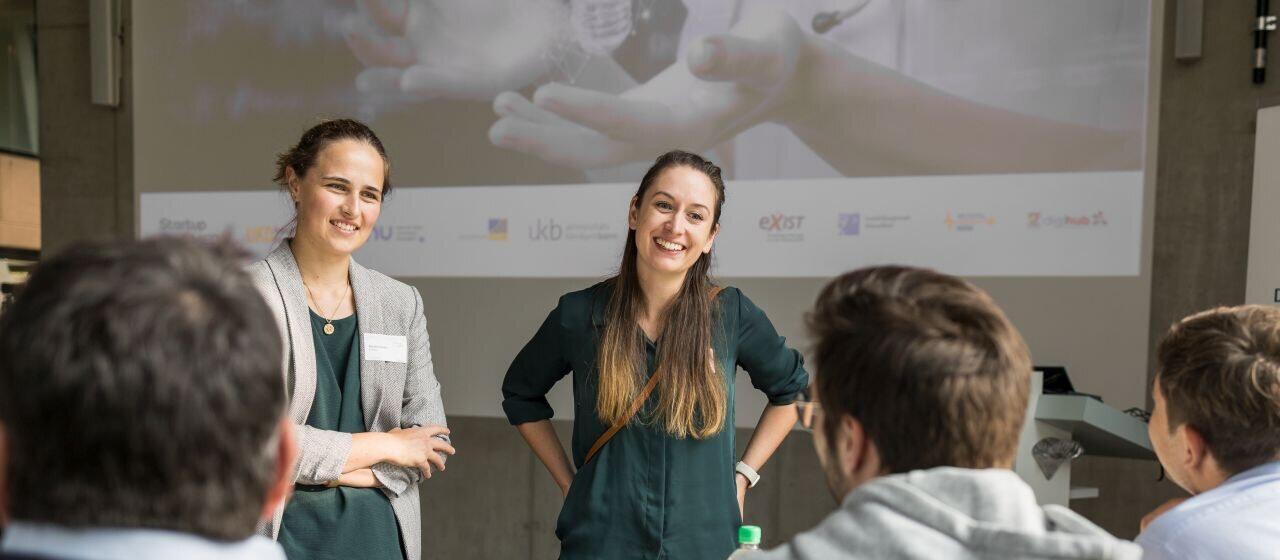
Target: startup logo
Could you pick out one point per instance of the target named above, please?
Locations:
(786, 228)
(198, 229)
(850, 224)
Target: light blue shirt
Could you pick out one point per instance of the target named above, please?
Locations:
(1239, 519)
(129, 544)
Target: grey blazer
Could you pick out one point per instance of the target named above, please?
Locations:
(392, 395)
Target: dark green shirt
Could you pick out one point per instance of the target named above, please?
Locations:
(646, 494)
(338, 523)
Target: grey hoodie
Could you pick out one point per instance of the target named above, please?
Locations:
(950, 513)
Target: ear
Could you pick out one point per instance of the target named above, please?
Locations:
(712, 239)
(633, 213)
(1195, 448)
(291, 178)
(282, 480)
(860, 458)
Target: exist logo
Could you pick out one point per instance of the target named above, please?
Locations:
(779, 227)
(498, 229)
(968, 221)
(1041, 220)
(546, 231)
(850, 224)
(381, 233)
(781, 222)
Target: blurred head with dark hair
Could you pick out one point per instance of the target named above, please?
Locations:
(915, 370)
(141, 389)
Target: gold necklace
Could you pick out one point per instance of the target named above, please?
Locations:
(328, 321)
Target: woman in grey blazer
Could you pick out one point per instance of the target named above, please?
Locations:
(357, 364)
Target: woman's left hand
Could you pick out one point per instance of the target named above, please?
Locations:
(742, 494)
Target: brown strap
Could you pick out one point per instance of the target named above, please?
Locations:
(635, 406)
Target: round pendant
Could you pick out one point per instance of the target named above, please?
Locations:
(328, 328)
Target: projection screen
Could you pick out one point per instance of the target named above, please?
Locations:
(979, 137)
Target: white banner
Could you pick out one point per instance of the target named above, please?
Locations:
(1056, 224)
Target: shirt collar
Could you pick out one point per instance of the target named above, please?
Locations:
(132, 544)
(1265, 469)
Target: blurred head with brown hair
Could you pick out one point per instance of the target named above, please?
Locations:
(914, 369)
(1217, 395)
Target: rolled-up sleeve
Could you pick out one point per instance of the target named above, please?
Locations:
(776, 370)
(535, 370)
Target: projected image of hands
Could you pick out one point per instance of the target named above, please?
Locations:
(859, 115)
(584, 89)
(724, 84)
(460, 49)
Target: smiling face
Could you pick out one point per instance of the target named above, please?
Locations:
(674, 222)
(340, 197)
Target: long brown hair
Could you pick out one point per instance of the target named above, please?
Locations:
(693, 394)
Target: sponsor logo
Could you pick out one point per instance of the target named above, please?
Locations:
(260, 234)
(850, 224)
(182, 226)
(883, 221)
(551, 230)
(968, 221)
(779, 227)
(398, 234)
(497, 229)
(1043, 220)
(545, 231)
(186, 227)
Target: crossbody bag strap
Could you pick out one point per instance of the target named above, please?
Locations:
(635, 405)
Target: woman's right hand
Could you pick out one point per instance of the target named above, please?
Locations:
(419, 447)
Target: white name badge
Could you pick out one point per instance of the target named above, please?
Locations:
(385, 348)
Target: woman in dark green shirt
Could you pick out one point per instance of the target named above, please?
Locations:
(665, 485)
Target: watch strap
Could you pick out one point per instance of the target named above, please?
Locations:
(744, 469)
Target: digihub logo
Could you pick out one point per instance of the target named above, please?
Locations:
(850, 224)
(783, 227)
(546, 231)
(497, 229)
(1042, 220)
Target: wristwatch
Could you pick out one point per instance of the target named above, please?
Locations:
(744, 469)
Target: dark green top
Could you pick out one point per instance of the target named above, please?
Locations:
(338, 523)
(646, 494)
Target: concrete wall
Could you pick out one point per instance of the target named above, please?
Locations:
(495, 501)
(86, 151)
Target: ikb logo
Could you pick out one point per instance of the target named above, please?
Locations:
(546, 231)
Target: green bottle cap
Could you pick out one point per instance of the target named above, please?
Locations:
(748, 534)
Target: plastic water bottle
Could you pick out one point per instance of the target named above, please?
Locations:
(748, 539)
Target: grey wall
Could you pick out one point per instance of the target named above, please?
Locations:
(496, 502)
(1205, 170)
(86, 151)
